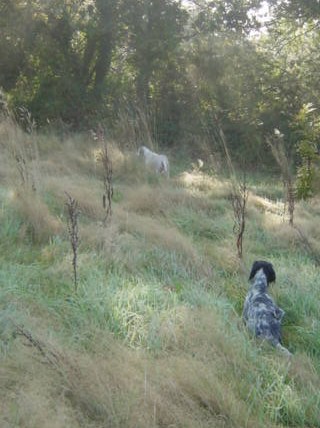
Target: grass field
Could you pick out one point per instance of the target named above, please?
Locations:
(153, 337)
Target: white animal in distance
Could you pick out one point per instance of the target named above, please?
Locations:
(158, 163)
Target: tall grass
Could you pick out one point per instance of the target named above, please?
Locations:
(154, 336)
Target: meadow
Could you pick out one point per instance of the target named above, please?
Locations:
(153, 335)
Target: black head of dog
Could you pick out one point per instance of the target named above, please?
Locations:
(267, 269)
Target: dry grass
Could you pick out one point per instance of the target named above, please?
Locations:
(73, 155)
(118, 387)
(203, 182)
(307, 219)
(145, 200)
(9, 135)
(271, 215)
(88, 194)
(224, 255)
(257, 203)
(164, 198)
(19, 159)
(133, 240)
(31, 394)
(154, 232)
(36, 220)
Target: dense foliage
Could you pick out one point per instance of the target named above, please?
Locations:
(190, 68)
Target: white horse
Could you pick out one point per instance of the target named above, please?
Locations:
(159, 163)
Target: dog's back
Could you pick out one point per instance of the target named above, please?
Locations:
(260, 313)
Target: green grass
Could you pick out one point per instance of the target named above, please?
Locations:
(153, 336)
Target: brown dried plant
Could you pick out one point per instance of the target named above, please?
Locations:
(239, 197)
(73, 230)
(104, 157)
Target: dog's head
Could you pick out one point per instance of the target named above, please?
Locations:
(142, 151)
(267, 270)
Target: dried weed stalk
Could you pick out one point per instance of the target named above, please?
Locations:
(50, 356)
(239, 198)
(104, 157)
(107, 183)
(73, 229)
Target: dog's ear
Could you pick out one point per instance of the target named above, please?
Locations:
(269, 272)
(255, 267)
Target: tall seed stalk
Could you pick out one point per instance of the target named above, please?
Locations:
(107, 183)
(107, 175)
(239, 197)
(73, 230)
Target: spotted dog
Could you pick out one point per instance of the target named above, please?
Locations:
(260, 313)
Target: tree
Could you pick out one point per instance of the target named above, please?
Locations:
(306, 126)
(302, 10)
(105, 41)
(17, 29)
(219, 16)
(155, 32)
(61, 55)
